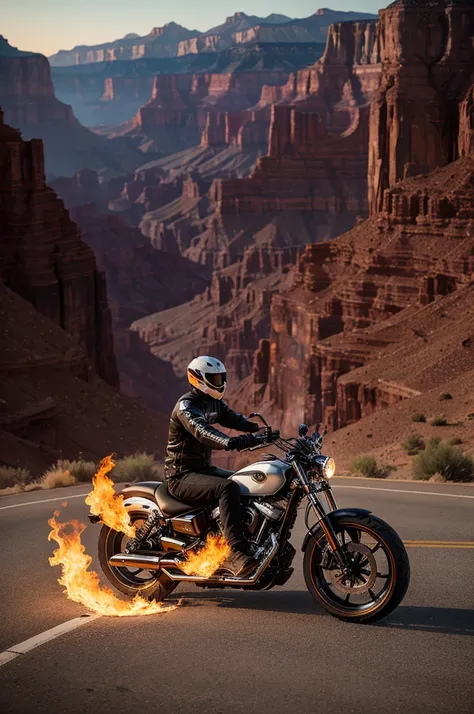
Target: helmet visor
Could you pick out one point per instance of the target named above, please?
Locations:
(216, 380)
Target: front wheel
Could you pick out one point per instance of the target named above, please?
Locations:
(380, 570)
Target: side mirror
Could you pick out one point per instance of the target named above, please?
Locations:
(302, 430)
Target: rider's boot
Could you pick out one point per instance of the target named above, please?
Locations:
(240, 562)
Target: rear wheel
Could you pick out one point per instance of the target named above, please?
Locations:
(379, 564)
(131, 581)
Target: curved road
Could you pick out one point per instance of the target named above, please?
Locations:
(232, 651)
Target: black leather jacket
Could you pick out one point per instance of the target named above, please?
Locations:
(191, 435)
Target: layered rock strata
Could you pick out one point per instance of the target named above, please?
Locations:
(43, 257)
(417, 249)
(427, 53)
(52, 405)
(29, 103)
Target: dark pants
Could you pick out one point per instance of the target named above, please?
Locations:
(208, 487)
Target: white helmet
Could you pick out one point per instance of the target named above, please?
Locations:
(208, 375)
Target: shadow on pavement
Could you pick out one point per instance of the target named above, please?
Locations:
(440, 620)
(296, 602)
(444, 620)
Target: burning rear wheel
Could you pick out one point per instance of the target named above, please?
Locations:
(380, 570)
(131, 581)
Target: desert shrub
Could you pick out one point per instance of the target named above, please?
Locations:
(454, 441)
(56, 477)
(80, 469)
(418, 418)
(11, 476)
(443, 459)
(367, 466)
(414, 444)
(439, 421)
(445, 396)
(137, 467)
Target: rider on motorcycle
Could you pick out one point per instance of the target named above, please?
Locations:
(192, 436)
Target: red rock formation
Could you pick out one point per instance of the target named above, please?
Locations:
(346, 77)
(29, 103)
(52, 405)
(401, 259)
(245, 129)
(466, 124)
(44, 258)
(140, 280)
(426, 50)
(228, 319)
(305, 170)
(181, 107)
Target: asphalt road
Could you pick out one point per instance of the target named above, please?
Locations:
(226, 651)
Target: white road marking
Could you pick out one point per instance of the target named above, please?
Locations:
(44, 500)
(401, 490)
(363, 488)
(23, 647)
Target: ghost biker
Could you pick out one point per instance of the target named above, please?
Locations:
(192, 436)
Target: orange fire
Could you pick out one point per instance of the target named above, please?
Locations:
(209, 559)
(104, 502)
(81, 584)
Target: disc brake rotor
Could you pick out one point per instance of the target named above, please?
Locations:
(358, 583)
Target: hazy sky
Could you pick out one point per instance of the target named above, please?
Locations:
(49, 25)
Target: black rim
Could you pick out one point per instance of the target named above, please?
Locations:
(116, 543)
(372, 565)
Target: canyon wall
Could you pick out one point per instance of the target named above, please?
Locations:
(417, 249)
(28, 101)
(427, 55)
(44, 258)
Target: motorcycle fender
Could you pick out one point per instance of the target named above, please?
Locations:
(333, 516)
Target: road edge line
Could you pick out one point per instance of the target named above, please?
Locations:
(32, 642)
(401, 490)
(44, 500)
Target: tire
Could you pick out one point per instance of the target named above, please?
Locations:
(157, 586)
(393, 550)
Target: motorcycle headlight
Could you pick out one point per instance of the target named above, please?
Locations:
(329, 467)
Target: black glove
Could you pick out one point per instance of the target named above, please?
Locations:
(244, 441)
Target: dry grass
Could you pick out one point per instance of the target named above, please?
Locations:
(11, 476)
(20, 488)
(137, 467)
(82, 471)
(57, 478)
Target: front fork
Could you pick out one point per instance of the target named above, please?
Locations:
(324, 521)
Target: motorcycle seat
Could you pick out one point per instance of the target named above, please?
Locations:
(169, 505)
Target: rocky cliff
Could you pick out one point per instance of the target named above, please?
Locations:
(52, 405)
(44, 258)
(178, 112)
(339, 313)
(427, 53)
(160, 42)
(29, 103)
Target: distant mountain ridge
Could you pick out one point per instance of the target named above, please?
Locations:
(173, 40)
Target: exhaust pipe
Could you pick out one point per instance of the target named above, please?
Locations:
(147, 562)
(231, 579)
(164, 562)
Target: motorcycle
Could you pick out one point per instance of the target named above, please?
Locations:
(355, 564)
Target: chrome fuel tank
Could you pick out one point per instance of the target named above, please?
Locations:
(263, 478)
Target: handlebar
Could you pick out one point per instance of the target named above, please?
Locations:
(268, 437)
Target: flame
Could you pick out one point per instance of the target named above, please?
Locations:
(209, 559)
(104, 502)
(81, 584)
